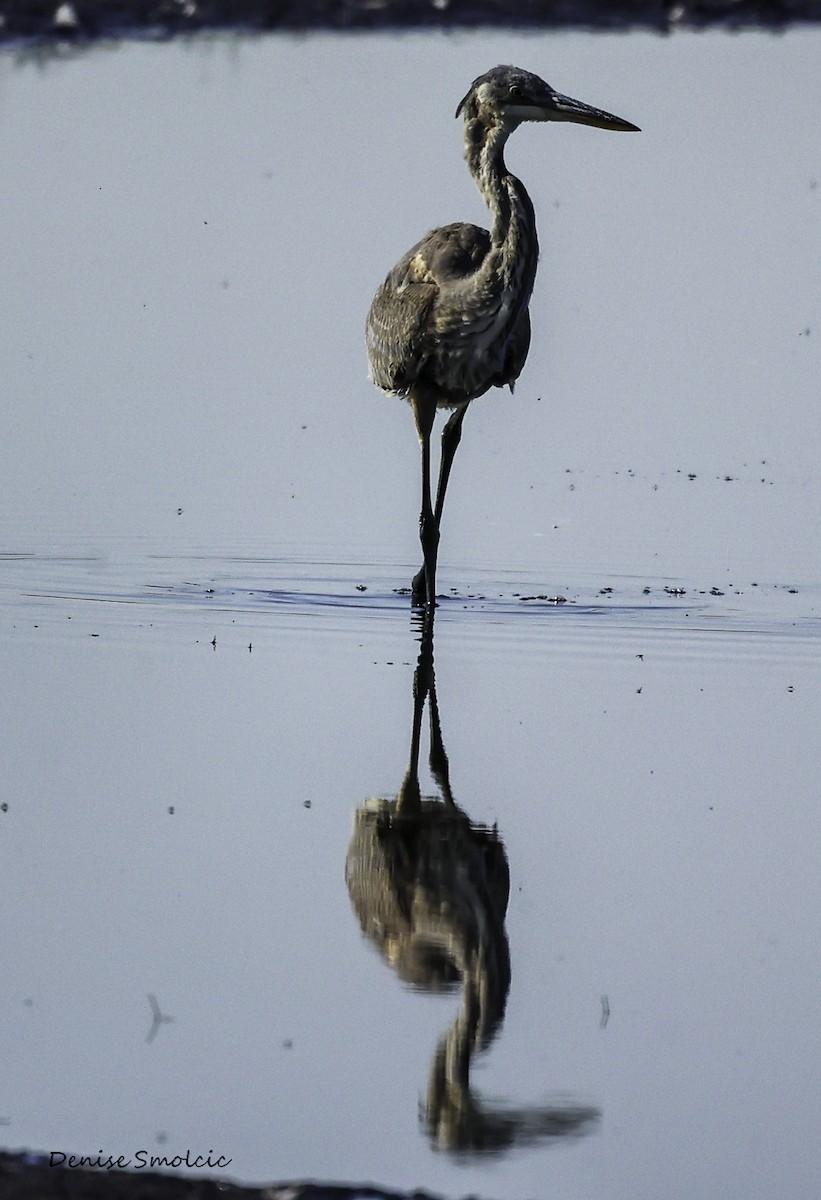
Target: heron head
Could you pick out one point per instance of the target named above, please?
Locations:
(509, 96)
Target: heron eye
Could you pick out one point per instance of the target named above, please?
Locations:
(515, 91)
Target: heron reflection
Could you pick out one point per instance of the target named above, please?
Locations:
(430, 889)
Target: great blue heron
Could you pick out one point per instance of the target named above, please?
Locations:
(451, 319)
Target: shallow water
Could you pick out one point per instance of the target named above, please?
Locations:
(208, 521)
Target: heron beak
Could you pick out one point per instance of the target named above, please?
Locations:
(564, 108)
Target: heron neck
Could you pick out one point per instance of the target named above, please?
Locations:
(514, 221)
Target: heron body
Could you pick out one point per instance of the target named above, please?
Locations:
(451, 319)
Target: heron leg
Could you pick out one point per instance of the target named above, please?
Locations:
(424, 411)
(451, 436)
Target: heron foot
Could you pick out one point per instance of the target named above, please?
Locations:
(419, 591)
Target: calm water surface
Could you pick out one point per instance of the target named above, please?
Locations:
(206, 520)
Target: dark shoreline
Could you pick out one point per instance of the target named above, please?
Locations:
(29, 1177)
(50, 21)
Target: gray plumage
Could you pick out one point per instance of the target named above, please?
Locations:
(436, 319)
(451, 319)
(453, 312)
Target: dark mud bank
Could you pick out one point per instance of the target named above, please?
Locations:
(48, 21)
(30, 1177)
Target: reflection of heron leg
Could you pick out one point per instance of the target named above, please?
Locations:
(409, 798)
(424, 411)
(451, 436)
(439, 765)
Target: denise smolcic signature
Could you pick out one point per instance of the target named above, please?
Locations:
(139, 1160)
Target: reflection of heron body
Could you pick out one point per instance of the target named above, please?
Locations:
(430, 889)
(451, 319)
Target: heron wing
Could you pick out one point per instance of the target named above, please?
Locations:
(401, 324)
(397, 329)
(518, 346)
